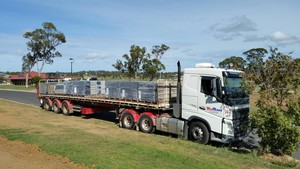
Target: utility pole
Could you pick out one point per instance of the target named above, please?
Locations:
(72, 61)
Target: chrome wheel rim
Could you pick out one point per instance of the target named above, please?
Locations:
(197, 133)
(127, 121)
(146, 124)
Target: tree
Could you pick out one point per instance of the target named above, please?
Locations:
(152, 65)
(139, 61)
(36, 80)
(133, 62)
(119, 65)
(28, 63)
(277, 117)
(235, 61)
(42, 46)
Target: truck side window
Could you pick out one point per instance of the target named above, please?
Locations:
(206, 85)
(219, 88)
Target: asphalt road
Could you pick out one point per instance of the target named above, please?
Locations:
(20, 96)
(30, 98)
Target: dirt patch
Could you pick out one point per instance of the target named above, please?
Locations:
(279, 159)
(16, 154)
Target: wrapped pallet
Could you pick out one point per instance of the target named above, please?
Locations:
(147, 91)
(129, 90)
(94, 87)
(60, 89)
(112, 89)
(69, 87)
(47, 87)
(140, 91)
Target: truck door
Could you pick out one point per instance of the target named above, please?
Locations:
(208, 103)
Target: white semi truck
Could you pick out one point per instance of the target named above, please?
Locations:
(208, 105)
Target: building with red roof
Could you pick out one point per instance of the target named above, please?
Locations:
(20, 79)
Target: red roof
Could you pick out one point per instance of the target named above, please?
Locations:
(22, 76)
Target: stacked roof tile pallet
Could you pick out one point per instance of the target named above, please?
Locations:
(154, 92)
(82, 88)
(157, 92)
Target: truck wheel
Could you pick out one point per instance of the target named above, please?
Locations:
(146, 124)
(46, 105)
(55, 107)
(198, 132)
(65, 109)
(127, 121)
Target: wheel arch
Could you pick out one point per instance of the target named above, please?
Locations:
(195, 118)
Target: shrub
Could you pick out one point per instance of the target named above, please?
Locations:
(278, 111)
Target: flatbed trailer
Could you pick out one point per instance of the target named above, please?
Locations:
(94, 100)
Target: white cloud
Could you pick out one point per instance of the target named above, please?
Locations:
(282, 38)
(243, 27)
(277, 37)
(238, 24)
(233, 28)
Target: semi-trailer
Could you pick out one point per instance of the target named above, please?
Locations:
(204, 104)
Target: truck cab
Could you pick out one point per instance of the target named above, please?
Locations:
(214, 104)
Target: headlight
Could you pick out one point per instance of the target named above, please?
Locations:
(230, 128)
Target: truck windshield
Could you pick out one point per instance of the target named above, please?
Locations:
(233, 86)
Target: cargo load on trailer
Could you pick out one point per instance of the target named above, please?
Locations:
(161, 93)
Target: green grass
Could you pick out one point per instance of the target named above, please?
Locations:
(101, 144)
(106, 152)
(17, 87)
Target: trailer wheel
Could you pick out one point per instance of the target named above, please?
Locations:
(65, 109)
(41, 103)
(46, 105)
(198, 132)
(55, 107)
(127, 121)
(146, 124)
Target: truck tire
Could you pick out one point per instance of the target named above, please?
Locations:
(127, 121)
(65, 109)
(55, 107)
(198, 132)
(46, 105)
(146, 124)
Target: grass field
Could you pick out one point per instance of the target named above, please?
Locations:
(102, 144)
(17, 87)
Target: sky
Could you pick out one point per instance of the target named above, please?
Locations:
(98, 32)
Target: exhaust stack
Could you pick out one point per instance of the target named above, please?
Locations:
(177, 105)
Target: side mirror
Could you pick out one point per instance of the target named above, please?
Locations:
(217, 88)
